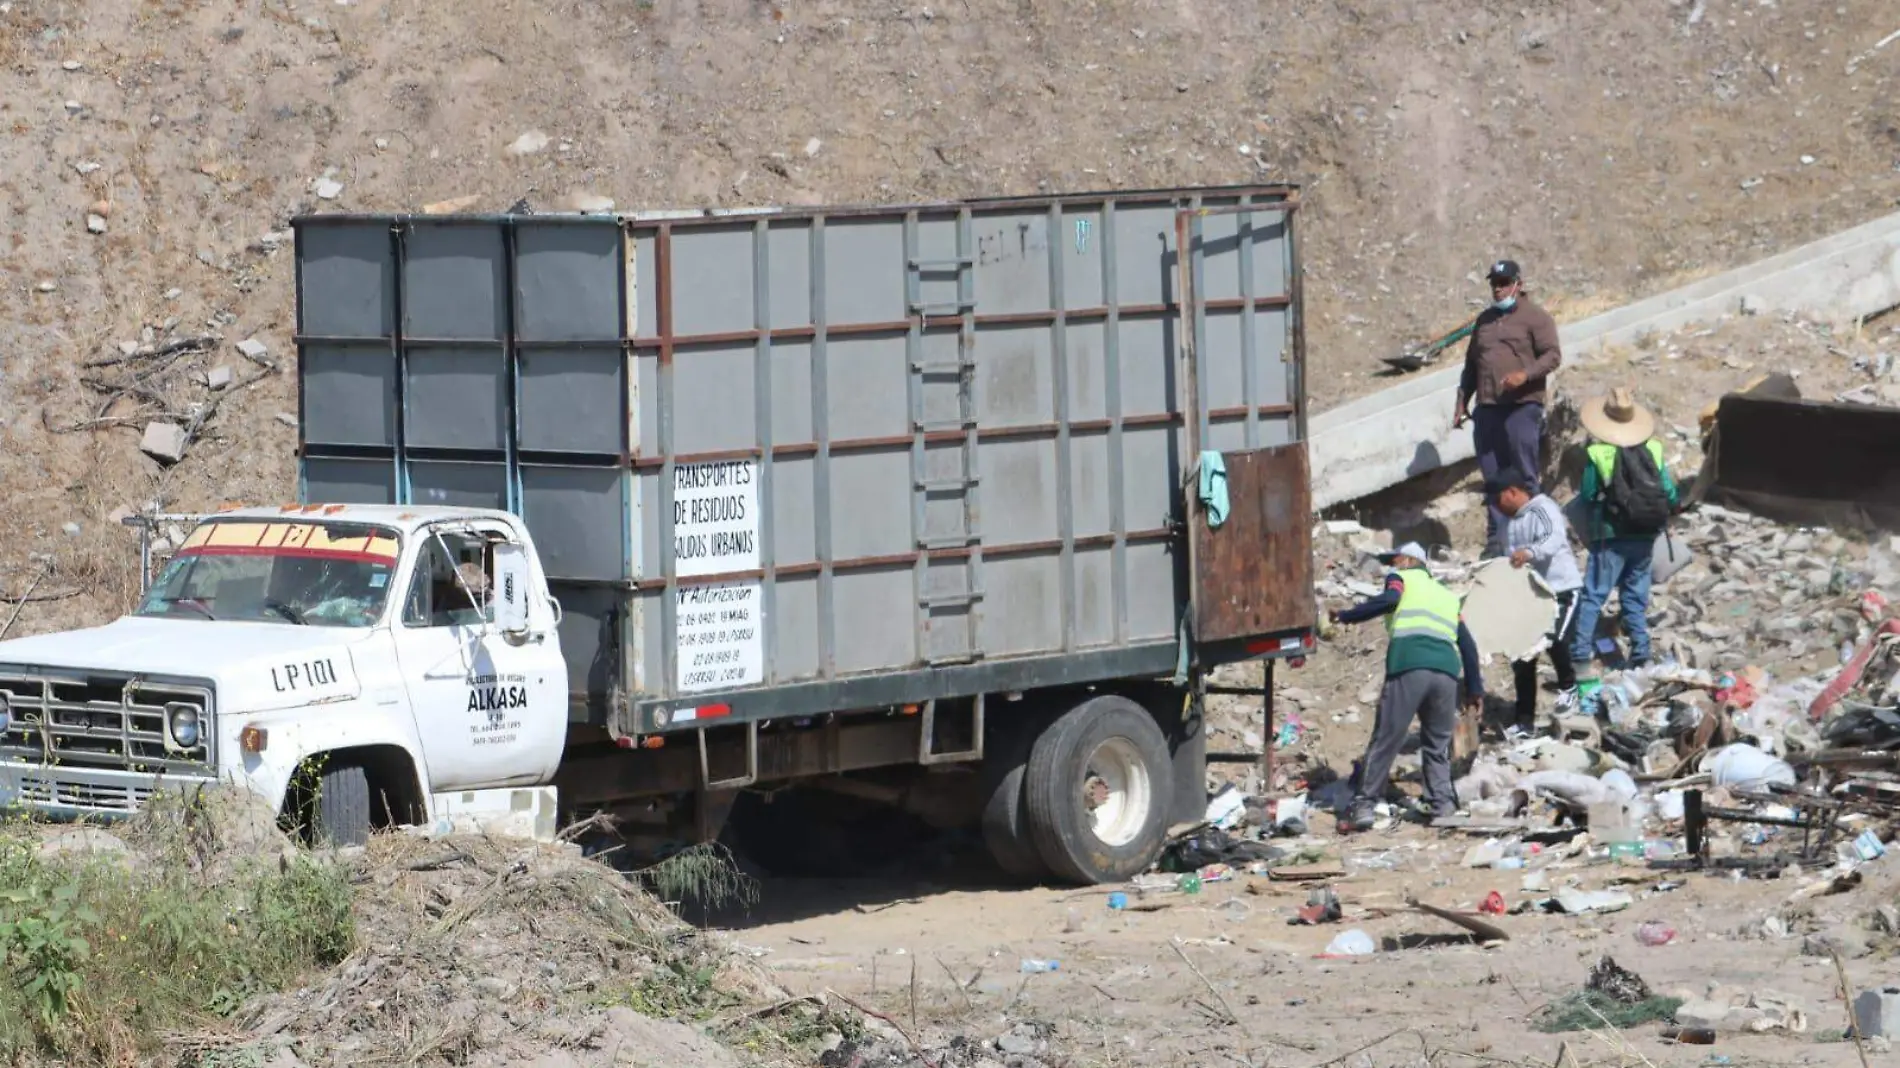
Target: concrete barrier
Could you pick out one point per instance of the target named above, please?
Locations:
(1376, 442)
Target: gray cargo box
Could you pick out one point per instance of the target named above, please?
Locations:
(794, 461)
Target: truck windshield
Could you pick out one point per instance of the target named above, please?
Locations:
(297, 574)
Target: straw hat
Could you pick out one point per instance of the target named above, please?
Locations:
(1618, 420)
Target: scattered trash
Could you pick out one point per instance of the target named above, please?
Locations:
(1655, 933)
(1877, 1013)
(1746, 767)
(1322, 906)
(1577, 902)
(1226, 809)
(1118, 900)
(1031, 966)
(1493, 904)
(1611, 995)
(1353, 943)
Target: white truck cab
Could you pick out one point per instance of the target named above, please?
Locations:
(390, 653)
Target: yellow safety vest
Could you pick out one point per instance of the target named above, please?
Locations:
(1426, 609)
(1604, 457)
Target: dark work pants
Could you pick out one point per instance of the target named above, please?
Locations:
(1432, 698)
(1506, 435)
(1562, 633)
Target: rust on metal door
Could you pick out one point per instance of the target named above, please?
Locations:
(1253, 574)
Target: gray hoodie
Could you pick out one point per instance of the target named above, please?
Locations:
(1540, 527)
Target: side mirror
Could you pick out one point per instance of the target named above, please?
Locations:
(511, 588)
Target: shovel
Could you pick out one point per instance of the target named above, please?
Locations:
(1419, 355)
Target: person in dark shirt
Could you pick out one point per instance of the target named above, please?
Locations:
(1512, 352)
(1429, 651)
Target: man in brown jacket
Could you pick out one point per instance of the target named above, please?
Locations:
(1513, 350)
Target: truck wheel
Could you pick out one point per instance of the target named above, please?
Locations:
(1096, 791)
(343, 812)
(1006, 833)
(1005, 829)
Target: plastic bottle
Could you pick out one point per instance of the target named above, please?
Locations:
(1032, 966)
(1190, 883)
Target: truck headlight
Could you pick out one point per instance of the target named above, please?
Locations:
(184, 725)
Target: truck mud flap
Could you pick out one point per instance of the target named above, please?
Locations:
(1804, 462)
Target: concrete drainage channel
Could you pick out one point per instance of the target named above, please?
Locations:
(1400, 433)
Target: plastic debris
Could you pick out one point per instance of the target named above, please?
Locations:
(1353, 943)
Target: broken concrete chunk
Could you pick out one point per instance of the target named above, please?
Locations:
(218, 378)
(528, 143)
(328, 189)
(95, 224)
(254, 350)
(164, 442)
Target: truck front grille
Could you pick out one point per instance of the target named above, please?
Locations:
(50, 792)
(101, 723)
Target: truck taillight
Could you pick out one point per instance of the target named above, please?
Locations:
(253, 739)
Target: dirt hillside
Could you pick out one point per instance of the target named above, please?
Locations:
(1613, 148)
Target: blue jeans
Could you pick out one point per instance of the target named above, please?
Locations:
(1623, 565)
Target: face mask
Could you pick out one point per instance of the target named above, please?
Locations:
(1506, 304)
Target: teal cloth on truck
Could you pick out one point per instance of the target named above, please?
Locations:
(1214, 487)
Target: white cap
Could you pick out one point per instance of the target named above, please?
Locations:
(1411, 548)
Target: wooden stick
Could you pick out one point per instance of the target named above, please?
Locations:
(955, 982)
(1232, 1016)
(187, 344)
(1344, 1057)
(1847, 996)
(20, 605)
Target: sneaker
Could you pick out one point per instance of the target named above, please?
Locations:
(1517, 732)
(1566, 700)
(1360, 818)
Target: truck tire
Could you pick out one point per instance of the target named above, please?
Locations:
(343, 810)
(1006, 833)
(1005, 828)
(1096, 791)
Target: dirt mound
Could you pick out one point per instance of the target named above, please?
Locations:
(475, 951)
(157, 150)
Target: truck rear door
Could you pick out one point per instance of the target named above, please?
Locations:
(1250, 576)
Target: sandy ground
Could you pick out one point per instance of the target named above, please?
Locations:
(1124, 995)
